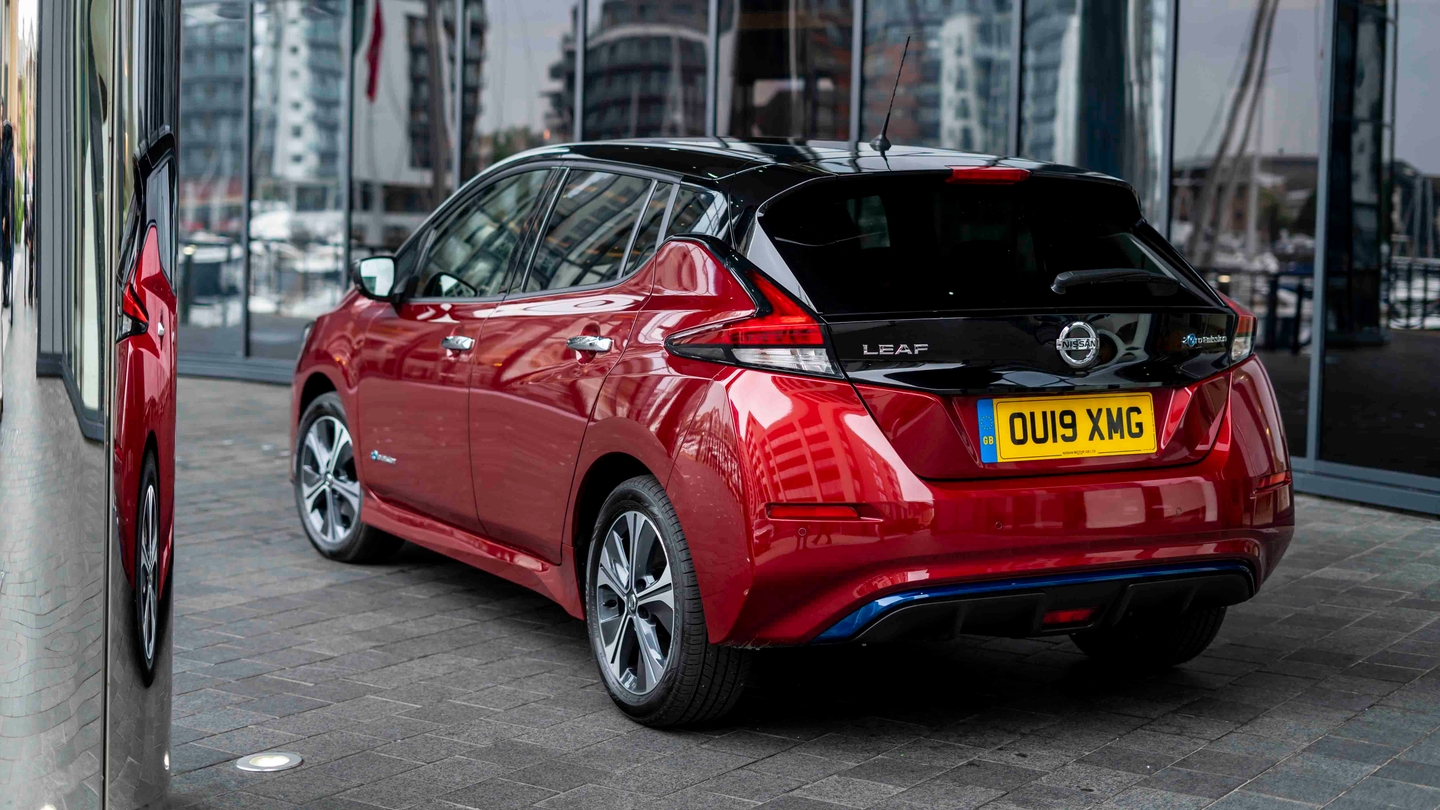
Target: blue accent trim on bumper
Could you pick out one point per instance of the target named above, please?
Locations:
(862, 617)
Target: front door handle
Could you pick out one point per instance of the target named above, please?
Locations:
(590, 343)
(457, 343)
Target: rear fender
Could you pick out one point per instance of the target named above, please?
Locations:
(1259, 459)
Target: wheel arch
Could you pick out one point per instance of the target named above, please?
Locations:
(316, 384)
(152, 447)
(601, 478)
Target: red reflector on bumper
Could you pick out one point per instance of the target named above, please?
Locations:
(1274, 480)
(1075, 616)
(811, 511)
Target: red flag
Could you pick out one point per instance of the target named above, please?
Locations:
(372, 53)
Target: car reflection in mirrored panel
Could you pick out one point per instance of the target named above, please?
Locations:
(87, 393)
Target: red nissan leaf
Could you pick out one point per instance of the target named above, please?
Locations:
(144, 441)
(714, 395)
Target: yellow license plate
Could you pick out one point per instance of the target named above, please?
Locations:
(1032, 428)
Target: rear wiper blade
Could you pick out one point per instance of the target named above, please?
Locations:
(1109, 275)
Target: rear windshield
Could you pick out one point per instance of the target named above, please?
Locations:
(919, 244)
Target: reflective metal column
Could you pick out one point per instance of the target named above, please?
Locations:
(86, 105)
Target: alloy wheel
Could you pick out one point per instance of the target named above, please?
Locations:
(635, 603)
(329, 487)
(147, 575)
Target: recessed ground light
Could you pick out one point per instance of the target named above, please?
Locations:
(268, 761)
(167, 760)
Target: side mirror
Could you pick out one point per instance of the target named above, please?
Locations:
(374, 277)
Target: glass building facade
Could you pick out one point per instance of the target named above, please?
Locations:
(1283, 145)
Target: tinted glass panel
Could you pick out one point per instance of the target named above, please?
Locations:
(212, 178)
(923, 245)
(297, 215)
(698, 211)
(1380, 394)
(645, 68)
(647, 237)
(955, 91)
(1244, 176)
(1094, 82)
(588, 231)
(518, 78)
(784, 68)
(470, 254)
(403, 119)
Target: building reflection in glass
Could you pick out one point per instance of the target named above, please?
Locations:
(955, 92)
(297, 219)
(1245, 171)
(212, 177)
(519, 78)
(1095, 77)
(784, 68)
(645, 67)
(401, 130)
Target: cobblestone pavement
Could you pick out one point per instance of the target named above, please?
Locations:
(52, 583)
(424, 683)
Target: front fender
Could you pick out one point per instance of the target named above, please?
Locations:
(331, 352)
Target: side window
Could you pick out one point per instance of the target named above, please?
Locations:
(647, 238)
(470, 253)
(586, 237)
(162, 211)
(698, 211)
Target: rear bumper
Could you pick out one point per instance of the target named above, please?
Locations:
(812, 577)
(1030, 606)
(769, 581)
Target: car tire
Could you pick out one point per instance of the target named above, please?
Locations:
(1155, 641)
(626, 615)
(148, 609)
(328, 490)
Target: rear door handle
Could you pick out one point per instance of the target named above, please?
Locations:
(457, 343)
(590, 343)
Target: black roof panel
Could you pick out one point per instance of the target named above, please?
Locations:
(718, 158)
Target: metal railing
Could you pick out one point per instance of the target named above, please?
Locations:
(1411, 294)
(1282, 302)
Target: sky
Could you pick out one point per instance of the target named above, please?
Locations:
(523, 40)
(1417, 115)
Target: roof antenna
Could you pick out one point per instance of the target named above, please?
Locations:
(881, 143)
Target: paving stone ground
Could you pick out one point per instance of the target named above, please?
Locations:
(423, 683)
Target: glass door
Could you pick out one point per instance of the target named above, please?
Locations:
(1380, 391)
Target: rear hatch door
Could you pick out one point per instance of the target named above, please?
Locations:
(1010, 325)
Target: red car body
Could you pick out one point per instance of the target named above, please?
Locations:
(805, 500)
(145, 362)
